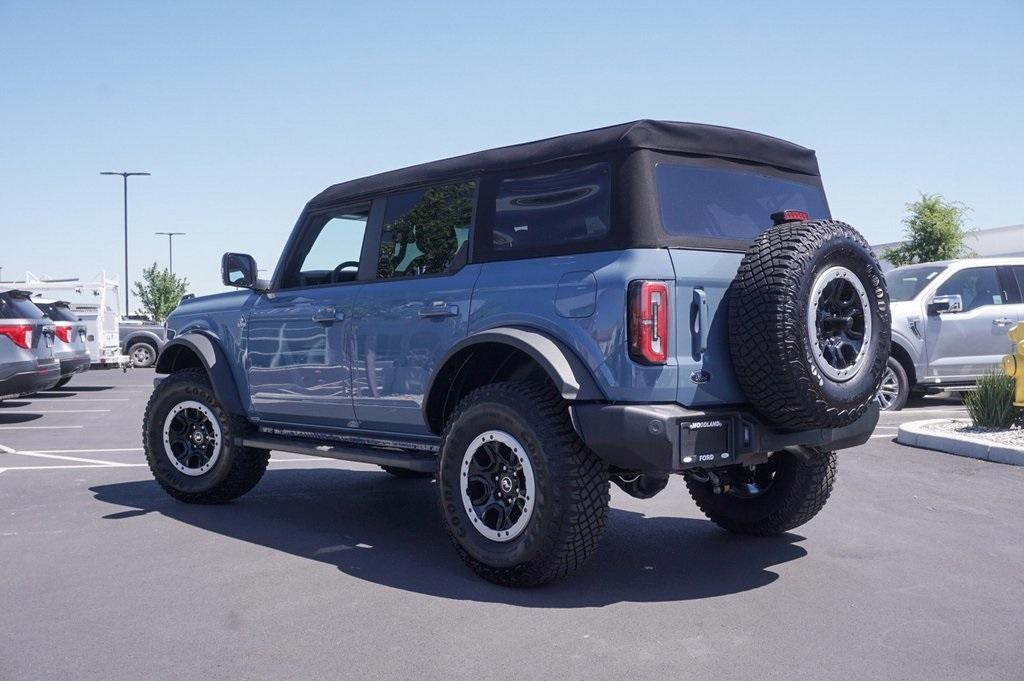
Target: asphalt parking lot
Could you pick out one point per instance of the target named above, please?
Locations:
(914, 570)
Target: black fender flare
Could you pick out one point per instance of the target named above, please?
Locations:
(567, 372)
(211, 356)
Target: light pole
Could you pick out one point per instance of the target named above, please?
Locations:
(170, 247)
(125, 176)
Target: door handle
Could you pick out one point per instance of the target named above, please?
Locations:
(1002, 321)
(439, 308)
(700, 322)
(327, 315)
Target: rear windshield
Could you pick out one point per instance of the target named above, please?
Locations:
(714, 203)
(16, 307)
(904, 283)
(58, 313)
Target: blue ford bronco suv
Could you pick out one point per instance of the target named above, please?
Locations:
(531, 323)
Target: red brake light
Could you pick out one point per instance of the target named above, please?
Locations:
(21, 334)
(63, 332)
(789, 216)
(648, 321)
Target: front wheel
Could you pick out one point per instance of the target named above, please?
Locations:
(774, 497)
(894, 388)
(190, 444)
(523, 499)
(142, 354)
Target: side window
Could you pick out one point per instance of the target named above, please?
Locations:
(1018, 274)
(977, 286)
(426, 231)
(551, 210)
(332, 249)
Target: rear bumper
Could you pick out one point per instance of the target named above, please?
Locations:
(30, 377)
(665, 438)
(70, 366)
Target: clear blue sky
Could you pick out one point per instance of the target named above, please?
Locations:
(243, 111)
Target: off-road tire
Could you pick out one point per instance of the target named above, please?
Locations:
(237, 469)
(772, 354)
(146, 363)
(799, 491)
(405, 473)
(572, 492)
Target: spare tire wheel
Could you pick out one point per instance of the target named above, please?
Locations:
(809, 325)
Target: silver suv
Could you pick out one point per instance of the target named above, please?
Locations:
(949, 324)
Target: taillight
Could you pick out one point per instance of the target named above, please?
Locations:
(63, 332)
(789, 215)
(21, 334)
(648, 321)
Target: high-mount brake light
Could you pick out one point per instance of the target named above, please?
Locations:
(648, 321)
(785, 216)
(63, 332)
(20, 334)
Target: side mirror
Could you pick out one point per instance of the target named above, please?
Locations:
(239, 270)
(942, 304)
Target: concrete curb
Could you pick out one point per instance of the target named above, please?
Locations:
(916, 434)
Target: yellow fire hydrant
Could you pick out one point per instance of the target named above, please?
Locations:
(1013, 364)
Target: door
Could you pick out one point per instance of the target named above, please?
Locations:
(297, 345)
(961, 346)
(416, 308)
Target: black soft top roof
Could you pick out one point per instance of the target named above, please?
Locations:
(665, 136)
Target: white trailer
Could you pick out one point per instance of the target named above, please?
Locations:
(96, 303)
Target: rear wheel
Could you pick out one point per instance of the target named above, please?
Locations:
(190, 443)
(61, 383)
(774, 497)
(523, 499)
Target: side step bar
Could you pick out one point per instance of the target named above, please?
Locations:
(413, 461)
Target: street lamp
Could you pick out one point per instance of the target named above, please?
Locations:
(125, 176)
(170, 247)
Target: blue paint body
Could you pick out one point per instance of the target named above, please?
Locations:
(366, 367)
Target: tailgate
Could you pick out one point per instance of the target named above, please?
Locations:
(702, 279)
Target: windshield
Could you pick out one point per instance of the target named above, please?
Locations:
(906, 282)
(729, 204)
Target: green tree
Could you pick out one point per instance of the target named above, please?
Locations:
(934, 231)
(159, 292)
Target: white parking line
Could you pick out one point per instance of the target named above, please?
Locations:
(66, 458)
(69, 400)
(85, 451)
(54, 411)
(888, 435)
(81, 465)
(40, 427)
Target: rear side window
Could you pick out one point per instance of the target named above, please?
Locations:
(553, 210)
(16, 307)
(714, 203)
(426, 231)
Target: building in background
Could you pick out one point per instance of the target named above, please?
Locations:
(996, 241)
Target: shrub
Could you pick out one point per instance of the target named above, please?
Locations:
(991, 405)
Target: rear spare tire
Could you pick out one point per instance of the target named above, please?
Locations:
(809, 325)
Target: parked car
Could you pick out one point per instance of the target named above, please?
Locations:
(949, 324)
(27, 362)
(530, 323)
(69, 346)
(142, 340)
